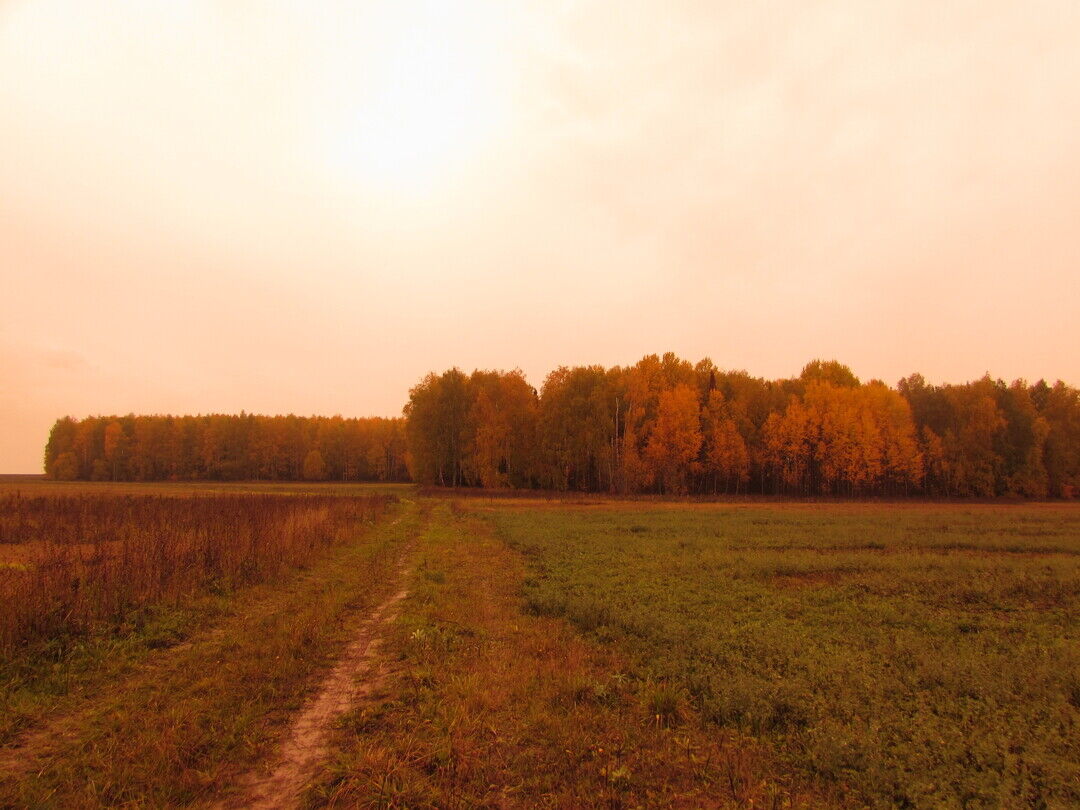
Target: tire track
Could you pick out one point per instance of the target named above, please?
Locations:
(306, 744)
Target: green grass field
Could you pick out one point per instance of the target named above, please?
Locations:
(915, 655)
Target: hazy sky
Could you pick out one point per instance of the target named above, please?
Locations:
(301, 206)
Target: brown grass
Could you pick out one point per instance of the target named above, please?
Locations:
(173, 714)
(303, 752)
(71, 561)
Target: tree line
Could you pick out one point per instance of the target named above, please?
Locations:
(226, 447)
(667, 426)
(663, 426)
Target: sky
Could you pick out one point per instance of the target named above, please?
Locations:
(306, 206)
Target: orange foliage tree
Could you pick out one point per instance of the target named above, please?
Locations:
(675, 439)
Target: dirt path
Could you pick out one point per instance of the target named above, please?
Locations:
(42, 744)
(191, 724)
(306, 743)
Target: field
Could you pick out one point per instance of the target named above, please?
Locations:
(191, 625)
(912, 655)
(545, 653)
(75, 559)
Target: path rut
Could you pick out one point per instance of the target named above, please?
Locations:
(306, 744)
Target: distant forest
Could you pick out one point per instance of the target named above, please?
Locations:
(226, 448)
(661, 426)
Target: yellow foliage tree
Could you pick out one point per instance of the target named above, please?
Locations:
(726, 453)
(675, 439)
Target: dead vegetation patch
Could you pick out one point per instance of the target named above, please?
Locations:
(176, 724)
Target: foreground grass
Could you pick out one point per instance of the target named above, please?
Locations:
(911, 656)
(91, 559)
(168, 710)
(42, 486)
(489, 707)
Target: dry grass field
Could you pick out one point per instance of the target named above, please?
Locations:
(165, 696)
(83, 557)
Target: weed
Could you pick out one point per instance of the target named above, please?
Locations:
(89, 558)
(664, 700)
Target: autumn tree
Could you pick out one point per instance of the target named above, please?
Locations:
(845, 440)
(725, 449)
(575, 428)
(893, 428)
(1022, 442)
(219, 446)
(830, 372)
(675, 439)
(787, 446)
(972, 466)
(64, 467)
(314, 466)
(438, 428)
(61, 440)
(505, 419)
(1059, 405)
(116, 450)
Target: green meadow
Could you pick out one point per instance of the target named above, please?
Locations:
(908, 655)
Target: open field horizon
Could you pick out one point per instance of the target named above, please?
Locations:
(514, 404)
